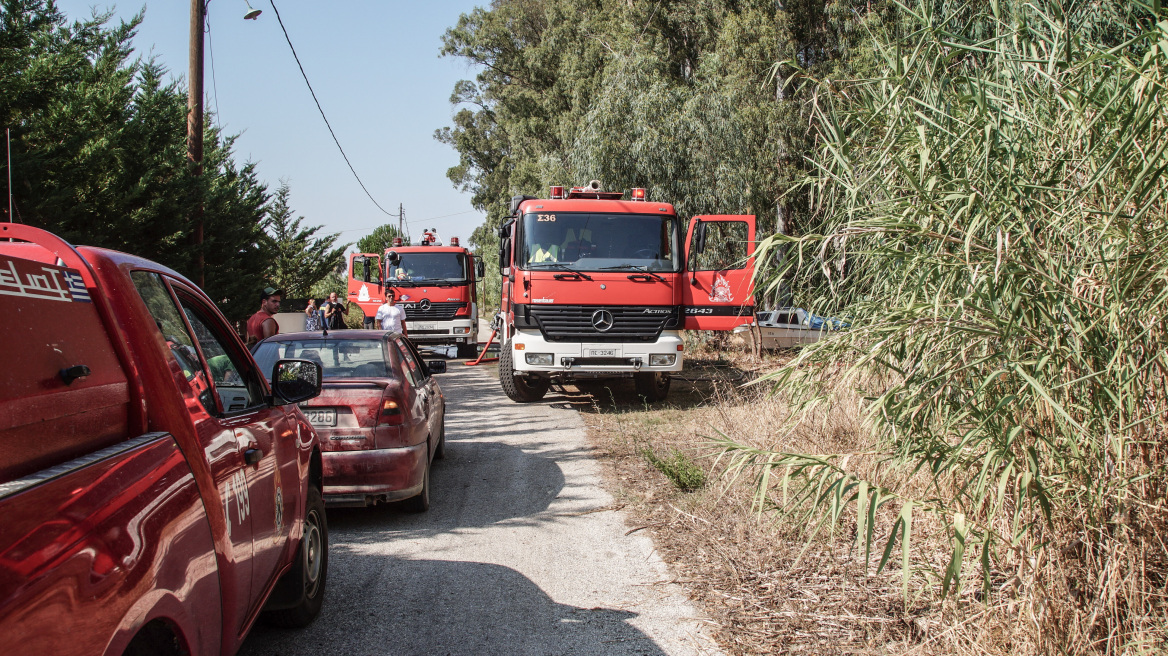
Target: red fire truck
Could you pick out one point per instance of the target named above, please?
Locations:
(435, 284)
(598, 286)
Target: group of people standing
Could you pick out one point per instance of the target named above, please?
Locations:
(331, 314)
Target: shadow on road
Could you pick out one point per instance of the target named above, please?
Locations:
(386, 605)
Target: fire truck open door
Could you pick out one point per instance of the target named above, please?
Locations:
(717, 290)
(365, 277)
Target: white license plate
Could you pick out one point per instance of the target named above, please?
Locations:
(600, 353)
(421, 326)
(321, 416)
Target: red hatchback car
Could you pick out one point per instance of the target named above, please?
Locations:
(380, 416)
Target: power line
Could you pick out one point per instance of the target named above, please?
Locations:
(415, 221)
(321, 110)
(214, 82)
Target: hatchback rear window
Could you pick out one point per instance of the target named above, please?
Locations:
(341, 358)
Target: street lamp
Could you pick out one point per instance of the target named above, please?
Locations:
(195, 112)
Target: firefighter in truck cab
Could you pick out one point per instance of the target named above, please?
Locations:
(597, 285)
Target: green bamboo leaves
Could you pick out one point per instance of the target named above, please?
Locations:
(993, 221)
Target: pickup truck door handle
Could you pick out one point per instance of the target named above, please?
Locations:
(252, 456)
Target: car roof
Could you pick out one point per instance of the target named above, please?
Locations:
(332, 334)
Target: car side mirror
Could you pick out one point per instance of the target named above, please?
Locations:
(436, 366)
(294, 381)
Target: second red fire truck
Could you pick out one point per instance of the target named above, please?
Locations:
(435, 284)
(595, 285)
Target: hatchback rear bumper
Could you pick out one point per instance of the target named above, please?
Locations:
(374, 475)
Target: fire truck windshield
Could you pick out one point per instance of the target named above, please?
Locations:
(428, 267)
(597, 242)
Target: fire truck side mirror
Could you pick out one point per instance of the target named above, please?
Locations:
(699, 239)
(504, 255)
(393, 258)
(480, 268)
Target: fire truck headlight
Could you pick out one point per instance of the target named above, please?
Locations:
(461, 330)
(662, 360)
(541, 359)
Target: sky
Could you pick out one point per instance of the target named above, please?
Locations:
(375, 68)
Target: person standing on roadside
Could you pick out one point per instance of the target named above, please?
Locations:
(262, 324)
(312, 316)
(335, 312)
(390, 316)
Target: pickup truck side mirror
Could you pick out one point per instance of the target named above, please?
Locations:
(294, 381)
(436, 366)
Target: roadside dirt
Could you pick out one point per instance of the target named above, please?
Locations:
(767, 590)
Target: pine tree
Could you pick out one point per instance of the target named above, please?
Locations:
(297, 259)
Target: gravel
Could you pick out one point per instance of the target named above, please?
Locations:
(522, 552)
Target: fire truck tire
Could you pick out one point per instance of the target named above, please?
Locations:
(311, 567)
(517, 388)
(653, 386)
(468, 351)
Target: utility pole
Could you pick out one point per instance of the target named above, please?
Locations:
(195, 121)
(400, 216)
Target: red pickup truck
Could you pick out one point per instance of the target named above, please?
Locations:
(157, 495)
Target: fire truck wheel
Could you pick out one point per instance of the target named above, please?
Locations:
(518, 388)
(311, 567)
(653, 386)
(468, 351)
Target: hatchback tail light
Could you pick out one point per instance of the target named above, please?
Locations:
(391, 413)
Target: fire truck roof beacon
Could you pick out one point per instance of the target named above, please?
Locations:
(454, 241)
(557, 192)
(638, 194)
(397, 241)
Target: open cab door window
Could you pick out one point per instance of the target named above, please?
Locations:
(365, 277)
(718, 288)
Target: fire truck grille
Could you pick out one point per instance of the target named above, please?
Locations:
(436, 311)
(588, 323)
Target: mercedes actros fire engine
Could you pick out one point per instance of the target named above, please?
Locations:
(596, 286)
(435, 284)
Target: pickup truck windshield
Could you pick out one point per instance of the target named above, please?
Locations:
(340, 358)
(597, 242)
(429, 267)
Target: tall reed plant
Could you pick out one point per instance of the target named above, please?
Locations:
(992, 222)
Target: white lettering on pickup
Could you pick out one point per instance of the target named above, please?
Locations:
(236, 491)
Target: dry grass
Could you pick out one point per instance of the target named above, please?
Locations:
(771, 589)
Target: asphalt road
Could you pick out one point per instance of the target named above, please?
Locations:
(520, 553)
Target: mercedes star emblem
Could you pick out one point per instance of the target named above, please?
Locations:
(424, 306)
(601, 320)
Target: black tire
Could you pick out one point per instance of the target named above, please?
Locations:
(468, 351)
(518, 388)
(311, 565)
(652, 386)
(440, 450)
(421, 502)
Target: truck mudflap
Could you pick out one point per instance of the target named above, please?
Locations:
(84, 541)
(718, 286)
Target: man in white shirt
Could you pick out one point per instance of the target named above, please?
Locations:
(390, 316)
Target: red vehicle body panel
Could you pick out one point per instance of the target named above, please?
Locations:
(144, 522)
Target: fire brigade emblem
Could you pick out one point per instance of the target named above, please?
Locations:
(279, 503)
(720, 292)
(363, 295)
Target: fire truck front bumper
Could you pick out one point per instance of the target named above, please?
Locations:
(532, 353)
